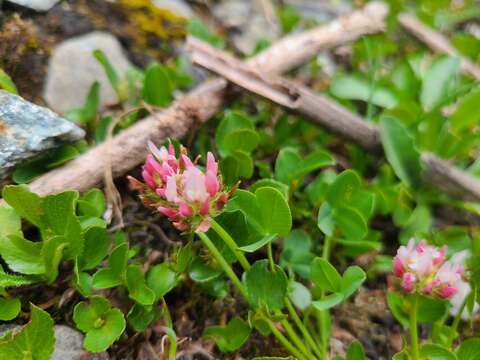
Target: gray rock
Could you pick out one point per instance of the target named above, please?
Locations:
(38, 5)
(27, 130)
(68, 344)
(178, 7)
(72, 69)
(248, 21)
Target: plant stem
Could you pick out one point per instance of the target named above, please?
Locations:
(302, 328)
(414, 350)
(232, 245)
(456, 320)
(270, 257)
(223, 263)
(323, 315)
(236, 281)
(283, 340)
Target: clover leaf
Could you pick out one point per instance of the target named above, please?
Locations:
(102, 324)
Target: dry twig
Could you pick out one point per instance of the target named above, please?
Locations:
(437, 42)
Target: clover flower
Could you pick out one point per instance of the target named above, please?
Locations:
(422, 268)
(180, 190)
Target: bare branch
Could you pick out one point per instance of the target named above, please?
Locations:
(437, 42)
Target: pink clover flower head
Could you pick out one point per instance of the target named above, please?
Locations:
(180, 190)
(423, 268)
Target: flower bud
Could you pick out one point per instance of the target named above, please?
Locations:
(181, 190)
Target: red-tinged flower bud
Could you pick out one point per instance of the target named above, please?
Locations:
(180, 190)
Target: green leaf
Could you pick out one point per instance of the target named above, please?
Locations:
(201, 272)
(430, 310)
(184, 258)
(352, 279)
(271, 183)
(9, 309)
(296, 252)
(6, 83)
(325, 276)
(468, 349)
(343, 188)
(137, 288)
(100, 339)
(88, 112)
(314, 161)
(96, 248)
(52, 252)
(140, 317)
(289, 17)
(35, 341)
(300, 295)
(60, 219)
(355, 351)
(8, 280)
(26, 203)
(264, 287)
(199, 30)
(351, 222)
(114, 274)
(290, 167)
(355, 88)
(161, 279)
(438, 81)
(86, 314)
(108, 68)
(328, 301)
(276, 217)
(10, 220)
(236, 133)
(258, 244)
(266, 210)
(396, 304)
(436, 352)
(235, 166)
(400, 151)
(231, 337)
(102, 324)
(92, 203)
(21, 255)
(286, 165)
(467, 113)
(157, 87)
(325, 221)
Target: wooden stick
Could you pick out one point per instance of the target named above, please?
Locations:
(128, 149)
(326, 113)
(437, 42)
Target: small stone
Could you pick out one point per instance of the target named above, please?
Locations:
(178, 7)
(38, 5)
(68, 344)
(248, 21)
(27, 130)
(72, 70)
